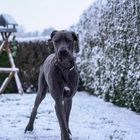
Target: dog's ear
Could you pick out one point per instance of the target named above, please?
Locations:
(76, 41)
(49, 42)
(53, 33)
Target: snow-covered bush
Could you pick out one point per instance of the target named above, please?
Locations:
(109, 60)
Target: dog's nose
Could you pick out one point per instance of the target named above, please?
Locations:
(63, 52)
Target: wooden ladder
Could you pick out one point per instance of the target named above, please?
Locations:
(13, 71)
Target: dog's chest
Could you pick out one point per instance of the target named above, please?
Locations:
(65, 76)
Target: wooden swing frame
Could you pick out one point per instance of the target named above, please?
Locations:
(13, 70)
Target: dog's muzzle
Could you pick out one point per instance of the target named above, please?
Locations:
(65, 60)
(63, 53)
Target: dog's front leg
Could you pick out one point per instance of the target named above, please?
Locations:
(68, 106)
(30, 124)
(61, 115)
(42, 87)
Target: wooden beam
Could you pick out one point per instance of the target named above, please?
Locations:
(7, 70)
(7, 34)
(2, 34)
(13, 70)
(19, 86)
(6, 81)
(2, 46)
(8, 30)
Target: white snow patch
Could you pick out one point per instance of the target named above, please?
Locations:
(91, 119)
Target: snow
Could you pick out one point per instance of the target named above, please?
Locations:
(91, 119)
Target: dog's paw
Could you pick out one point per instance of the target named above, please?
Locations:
(66, 137)
(28, 128)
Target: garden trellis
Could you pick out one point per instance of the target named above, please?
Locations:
(7, 27)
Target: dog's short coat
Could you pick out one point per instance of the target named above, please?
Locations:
(59, 74)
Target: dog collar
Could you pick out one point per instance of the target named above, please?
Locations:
(57, 63)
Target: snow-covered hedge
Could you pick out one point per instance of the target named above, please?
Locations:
(109, 60)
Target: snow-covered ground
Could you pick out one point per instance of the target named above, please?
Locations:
(91, 119)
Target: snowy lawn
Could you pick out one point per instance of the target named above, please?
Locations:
(91, 119)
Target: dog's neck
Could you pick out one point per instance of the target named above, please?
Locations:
(64, 70)
(62, 67)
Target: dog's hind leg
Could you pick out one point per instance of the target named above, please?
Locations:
(42, 89)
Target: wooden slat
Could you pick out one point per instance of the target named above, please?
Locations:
(6, 81)
(19, 86)
(13, 70)
(8, 30)
(2, 46)
(7, 70)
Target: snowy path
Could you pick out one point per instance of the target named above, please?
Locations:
(91, 119)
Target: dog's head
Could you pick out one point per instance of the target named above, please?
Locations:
(65, 43)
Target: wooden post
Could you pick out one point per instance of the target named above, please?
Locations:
(13, 70)
(6, 81)
(2, 46)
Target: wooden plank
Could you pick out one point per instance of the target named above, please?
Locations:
(10, 57)
(8, 30)
(7, 70)
(19, 86)
(6, 81)
(2, 34)
(13, 71)
(2, 46)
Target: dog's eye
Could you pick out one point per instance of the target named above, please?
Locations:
(56, 41)
(69, 41)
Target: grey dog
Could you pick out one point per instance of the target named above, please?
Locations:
(59, 74)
